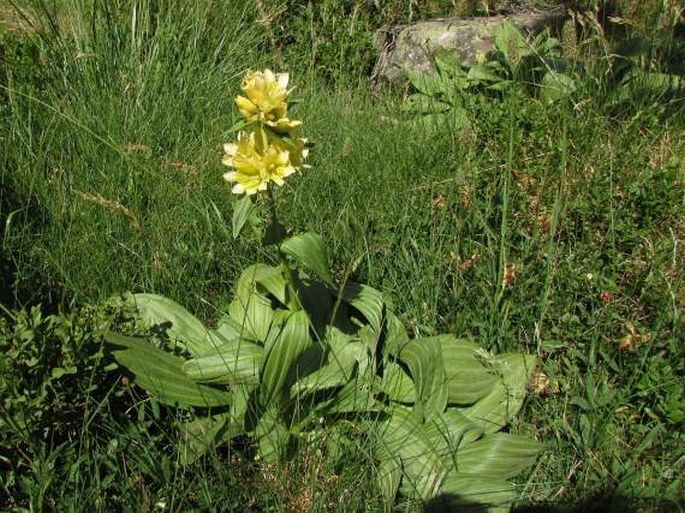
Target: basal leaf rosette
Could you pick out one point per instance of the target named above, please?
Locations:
(265, 100)
(257, 160)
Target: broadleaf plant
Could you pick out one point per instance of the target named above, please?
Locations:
(297, 356)
(535, 67)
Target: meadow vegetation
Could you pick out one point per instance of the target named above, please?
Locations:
(553, 227)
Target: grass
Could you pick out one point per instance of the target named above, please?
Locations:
(552, 231)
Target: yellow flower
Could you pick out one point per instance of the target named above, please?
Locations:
(256, 162)
(265, 99)
(296, 147)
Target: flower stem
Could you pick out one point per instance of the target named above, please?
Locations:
(285, 266)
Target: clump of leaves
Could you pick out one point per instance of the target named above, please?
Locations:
(431, 408)
(51, 376)
(535, 67)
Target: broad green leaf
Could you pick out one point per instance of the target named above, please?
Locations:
(556, 86)
(368, 301)
(330, 375)
(497, 456)
(344, 356)
(396, 335)
(243, 400)
(403, 436)
(347, 350)
(250, 309)
(317, 300)
(468, 380)
(483, 73)
(503, 85)
(355, 397)
(462, 492)
(228, 329)
(241, 213)
(279, 320)
(58, 372)
(422, 104)
(161, 374)
(272, 280)
(449, 431)
(185, 327)
(389, 473)
(459, 118)
(497, 408)
(448, 63)
(310, 251)
(511, 43)
(423, 358)
(430, 84)
(396, 384)
(237, 361)
(651, 82)
(368, 348)
(204, 433)
(272, 436)
(291, 341)
(547, 47)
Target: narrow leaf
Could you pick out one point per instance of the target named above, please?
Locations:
(241, 213)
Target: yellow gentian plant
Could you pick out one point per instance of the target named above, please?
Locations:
(299, 358)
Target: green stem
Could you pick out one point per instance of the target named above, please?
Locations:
(285, 266)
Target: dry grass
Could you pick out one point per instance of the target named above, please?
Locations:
(12, 20)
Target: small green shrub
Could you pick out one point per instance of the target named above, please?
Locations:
(516, 65)
(51, 377)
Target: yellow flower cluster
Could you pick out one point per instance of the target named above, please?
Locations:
(271, 149)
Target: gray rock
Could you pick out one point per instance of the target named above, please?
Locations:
(413, 46)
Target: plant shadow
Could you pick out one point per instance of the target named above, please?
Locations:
(600, 503)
